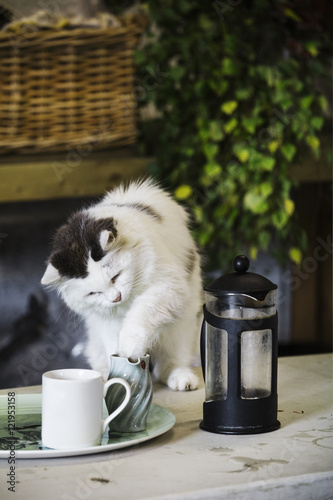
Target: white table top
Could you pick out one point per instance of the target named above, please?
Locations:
(294, 462)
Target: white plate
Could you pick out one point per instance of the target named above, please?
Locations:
(24, 441)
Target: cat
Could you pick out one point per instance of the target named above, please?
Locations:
(130, 267)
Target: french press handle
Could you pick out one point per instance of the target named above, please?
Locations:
(203, 347)
(214, 321)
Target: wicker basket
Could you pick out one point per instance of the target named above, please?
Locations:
(61, 89)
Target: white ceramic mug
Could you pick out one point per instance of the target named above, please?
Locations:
(72, 406)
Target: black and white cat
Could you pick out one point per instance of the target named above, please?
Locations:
(129, 266)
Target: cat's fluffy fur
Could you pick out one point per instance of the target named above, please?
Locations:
(129, 266)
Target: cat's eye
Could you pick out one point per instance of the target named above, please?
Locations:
(113, 280)
(93, 293)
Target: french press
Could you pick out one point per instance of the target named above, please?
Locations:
(239, 353)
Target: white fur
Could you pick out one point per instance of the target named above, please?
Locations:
(160, 306)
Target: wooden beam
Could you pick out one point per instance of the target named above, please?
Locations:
(80, 173)
(311, 171)
(67, 175)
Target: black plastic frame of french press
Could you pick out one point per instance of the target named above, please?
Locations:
(235, 415)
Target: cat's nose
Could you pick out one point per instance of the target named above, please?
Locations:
(118, 298)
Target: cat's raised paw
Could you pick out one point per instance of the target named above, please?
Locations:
(182, 379)
(132, 346)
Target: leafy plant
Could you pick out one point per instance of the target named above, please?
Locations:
(238, 102)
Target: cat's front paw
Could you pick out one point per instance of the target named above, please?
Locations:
(182, 379)
(131, 351)
(130, 345)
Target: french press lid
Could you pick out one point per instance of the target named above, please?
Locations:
(241, 282)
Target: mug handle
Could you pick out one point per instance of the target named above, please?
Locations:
(123, 404)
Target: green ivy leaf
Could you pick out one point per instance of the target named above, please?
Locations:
(289, 206)
(206, 234)
(183, 192)
(230, 125)
(306, 101)
(243, 94)
(139, 57)
(295, 255)
(281, 96)
(221, 211)
(198, 214)
(218, 85)
(215, 130)
(262, 162)
(312, 48)
(286, 103)
(177, 73)
(313, 142)
(288, 151)
(189, 152)
(264, 238)
(265, 189)
(270, 76)
(268, 163)
(276, 129)
(210, 150)
(253, 252)
(205, 23)
(291, 14)
(323, 102)
(242, 151)
(204, 133)
(229, 107)
(212, 169)
(251, 124)
(198, 86)
(205, 181)
(272, 146)
(243, 155)
(317, 122)
(280, 219)
(184, 5)
(255, 202)
(228, 67)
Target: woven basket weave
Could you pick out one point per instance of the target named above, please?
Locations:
(67, 88)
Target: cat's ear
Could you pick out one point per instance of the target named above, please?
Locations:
(106, 238)
(51, 276)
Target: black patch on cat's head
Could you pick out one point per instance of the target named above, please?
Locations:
(74, 240)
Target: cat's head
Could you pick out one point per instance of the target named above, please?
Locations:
(91, 265)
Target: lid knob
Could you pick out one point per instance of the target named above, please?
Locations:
(241, 263)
